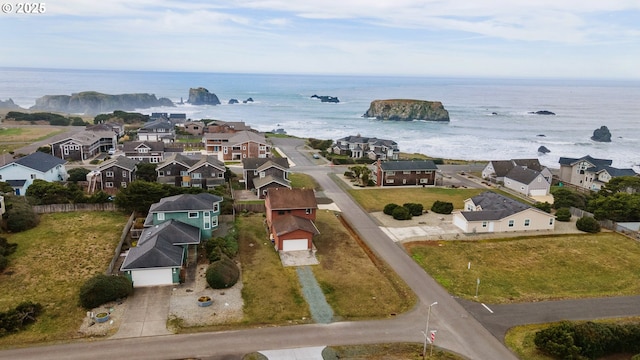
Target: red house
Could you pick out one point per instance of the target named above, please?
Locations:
(290, 218)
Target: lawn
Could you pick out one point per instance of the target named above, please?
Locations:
(299, 180)
(534, 268)
(51, 263)
(373, 200)
(14, 138)
(356, 284)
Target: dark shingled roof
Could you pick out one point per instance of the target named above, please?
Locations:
(594, 161)
(40, 161)
(408, 165)
(159, 246)
(260, 182)
(284, 198)
(289, 223)
(615, 172)
(522, 175)
(16, 183)
(130, 146)
(121, 162)
(157, 124)
(185, 202)
(494, 207)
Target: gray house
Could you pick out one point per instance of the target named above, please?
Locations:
(527, 181)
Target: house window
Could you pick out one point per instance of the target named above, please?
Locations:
(108, 184)
(262, 174)
(161, 216)
(389, 181)
(539, 179)
(424, 180)
(527, 222)
(484, 224)
(308, 211)
(124, 173)
(193, 214)
(391, 173)
(214, 221)
(183, 173)
(160, 173)
(220, 175)
(418, 172)
(511, 223)
(33, 176)
(66, 150)
(263, 148)
(184, 184)
(154, 160)
(123, 184)
(168, 173)
(406, 172)
(244, 147)
(521, 187)
(196, 175)
(216, 207)
(551, 221)
(109, 174)
(280, 212)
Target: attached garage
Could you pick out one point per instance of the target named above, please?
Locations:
(295, 244)
(152, 277)
(538, 192)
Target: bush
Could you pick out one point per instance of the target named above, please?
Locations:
(401, 213)
(222, 274)
(563, 214)
(442, 207)
(20, 216)
(588, 224)
(6, 249)
(545, 206)
(4, 262)
(388, 209)
(414, 208)
(16, 319)
(558, 341)
(102, 288)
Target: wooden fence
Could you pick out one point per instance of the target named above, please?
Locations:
(249, 207)
(607, 224)
(123, 238)
(57, 208)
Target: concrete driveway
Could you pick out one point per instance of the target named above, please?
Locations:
(146, 313)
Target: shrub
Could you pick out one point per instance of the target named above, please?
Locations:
(4, 262)
(588, 224)
(545, 206)
(388, 209)
(20, 216)
(558, 341)
(414, 208)
(442, 207)
(6, 249)
(17, 318)
(222, 274)
(563, 214)
(401, 213)
(102, 288)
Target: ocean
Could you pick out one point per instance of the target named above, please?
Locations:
(490, 118)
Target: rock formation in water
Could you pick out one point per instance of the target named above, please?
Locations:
(91, 102)
(601, 135)
(407, 110)
(542, 112)
(326, 98)
(543, 150)
(202, 96)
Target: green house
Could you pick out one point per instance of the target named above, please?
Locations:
(198, 210)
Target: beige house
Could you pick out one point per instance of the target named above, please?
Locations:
(491, 212)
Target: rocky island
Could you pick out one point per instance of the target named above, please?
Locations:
(407, 110)
(91, 102)
(326, 98)
(202, 96)
(602, 134)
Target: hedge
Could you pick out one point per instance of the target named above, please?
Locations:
(102, 288)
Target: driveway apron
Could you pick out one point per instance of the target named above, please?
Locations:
(146, 313)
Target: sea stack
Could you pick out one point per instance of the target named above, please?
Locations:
(407, 110)
(601, 135)
(202, 96)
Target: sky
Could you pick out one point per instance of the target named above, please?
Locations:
(464, 38)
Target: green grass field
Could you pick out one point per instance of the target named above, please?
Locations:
(51, 263)
(375, 199)
(534, 268)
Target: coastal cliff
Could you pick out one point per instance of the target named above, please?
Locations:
(407, 110)
(91, 102)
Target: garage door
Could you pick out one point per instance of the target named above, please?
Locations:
(151, 277)
(460, 222)
(294, 244)
(541, 192)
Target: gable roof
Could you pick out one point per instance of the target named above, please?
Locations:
(501, 167)
(594, 161)
(494, 207)
(408, 165)
(615, 172)
(522, 175)
(283, 198)
(289, 223)
(186, 202)
(130, 146)
(185, 160)
(259, 182)
(245, 136)
(208, 159)
(88, 137)
(40, 161)
(157, 124)
(121, 162)
(256, 163)
(158, 246)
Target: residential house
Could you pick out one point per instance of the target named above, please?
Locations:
(590, 173)
(113, 175)
(21, 172)
(198, 210)
(203, 171)
(290, 217)
(260, 174)
(373, 148)
(237, 146)
(405, 172)
(491, 212)
(160, 256)
(157, 130)
(117, 128)
(219, 126)
(527, 181)
(195, 128)
(145, 151)
(178, 118)
(496, 170)
(84, 145)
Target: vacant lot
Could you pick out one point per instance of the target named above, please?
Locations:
(375, 199)
(534, 268)
(355, 286)
(51, 263)
(12, 138)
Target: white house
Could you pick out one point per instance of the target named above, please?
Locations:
(21, 172)
(527, 181)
